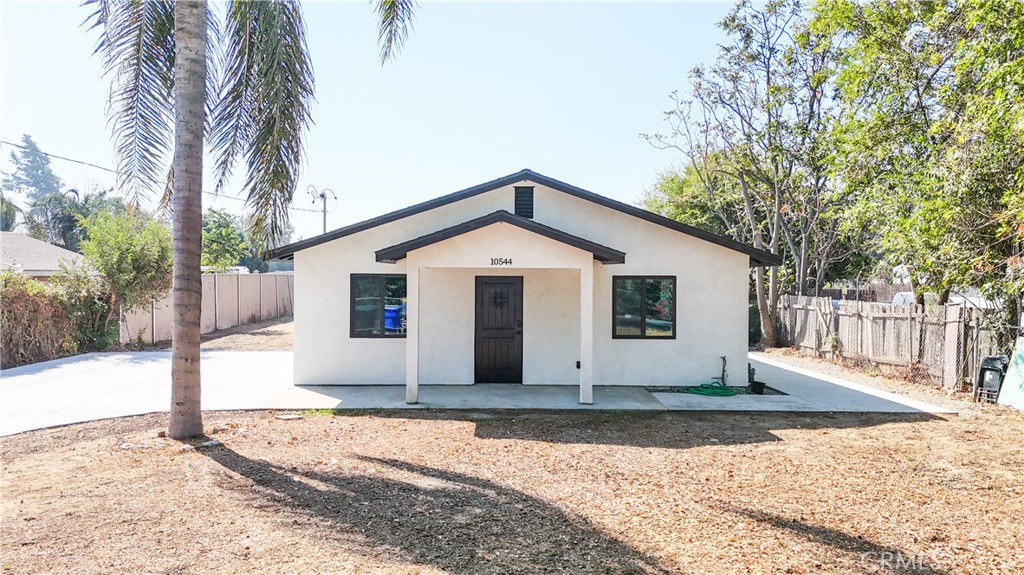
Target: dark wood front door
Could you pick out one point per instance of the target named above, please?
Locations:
(499, 329)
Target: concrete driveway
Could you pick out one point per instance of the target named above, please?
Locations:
(101, 385)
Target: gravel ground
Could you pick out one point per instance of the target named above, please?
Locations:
(496, 493)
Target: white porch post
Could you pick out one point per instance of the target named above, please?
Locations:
(412, 335)
(587, 332)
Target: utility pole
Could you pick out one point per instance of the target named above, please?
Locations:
(322, 196)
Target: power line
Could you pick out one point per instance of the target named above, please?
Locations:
(112, 171)
(58, 157)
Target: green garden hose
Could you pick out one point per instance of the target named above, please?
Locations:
(712, 389)
(717, 389)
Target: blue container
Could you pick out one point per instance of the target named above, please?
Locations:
(392, 318)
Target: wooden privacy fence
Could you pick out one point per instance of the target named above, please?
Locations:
(946, 342)
(228, 300)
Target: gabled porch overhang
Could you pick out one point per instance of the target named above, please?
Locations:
(500, 241)
(603, 254)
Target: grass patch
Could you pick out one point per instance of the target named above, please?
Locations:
(340, 412)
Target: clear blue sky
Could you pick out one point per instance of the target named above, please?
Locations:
(480, 90)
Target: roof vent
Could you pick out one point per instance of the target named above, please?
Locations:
(524, 201)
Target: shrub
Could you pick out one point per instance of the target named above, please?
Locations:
(133, 252)
(129, 263)
(89, 304)
(33, 323)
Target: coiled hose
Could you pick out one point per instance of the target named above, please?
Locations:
(716, 389)
(713, 389)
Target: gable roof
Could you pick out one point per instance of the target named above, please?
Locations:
(757, 257)
(601, 253)
(33, 257)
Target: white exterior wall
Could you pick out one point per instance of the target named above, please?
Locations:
(551, 325)
(712, 284)
(324, 353)
(711, 292)
(551, 309)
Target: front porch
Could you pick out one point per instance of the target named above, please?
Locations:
(500, 299)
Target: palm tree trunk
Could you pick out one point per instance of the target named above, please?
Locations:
(189, 122)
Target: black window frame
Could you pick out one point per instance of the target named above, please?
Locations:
(643, 303)
(352, 305)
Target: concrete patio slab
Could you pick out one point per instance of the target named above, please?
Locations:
(480, 396)
(101, 385)
(691, 402)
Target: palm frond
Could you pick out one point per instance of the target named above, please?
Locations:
(165, 205)
(231, 119)
(137, 46)
(214, 61)
(395, 21)
(264, 108)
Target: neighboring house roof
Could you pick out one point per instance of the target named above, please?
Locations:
(601, 253)
(757, 257)
(33, 257)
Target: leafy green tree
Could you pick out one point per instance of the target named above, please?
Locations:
(252, 256)
(166, 75)
(713, 204)
(223, 242)
(987, 152)
(754, 135)
(50, 218)
(931, 140)
(56, 217)
(8, 215)
(252, 260)
(32, 174)
(133, 251)
(895, 60)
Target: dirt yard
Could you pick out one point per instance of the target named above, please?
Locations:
(483, 493)
(272, 335)
(497, 493)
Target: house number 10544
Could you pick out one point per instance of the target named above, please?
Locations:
(501, 261)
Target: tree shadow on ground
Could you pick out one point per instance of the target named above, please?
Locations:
(456, 522)
(670, 430)
(868, 554)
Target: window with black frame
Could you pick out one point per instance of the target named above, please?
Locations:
(644, 307)
(378, 305)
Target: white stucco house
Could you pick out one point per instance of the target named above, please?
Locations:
(523, 279)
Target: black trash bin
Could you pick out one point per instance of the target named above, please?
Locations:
(990, 378)
(754, 386)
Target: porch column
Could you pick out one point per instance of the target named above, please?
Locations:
(587, 333)
(412, 335)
